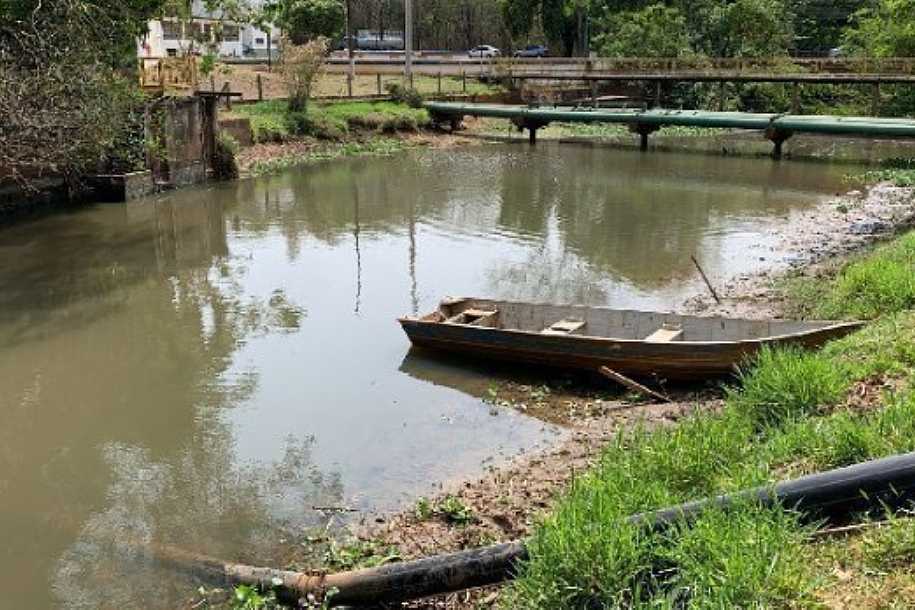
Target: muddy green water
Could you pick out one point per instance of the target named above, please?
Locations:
(204, 367)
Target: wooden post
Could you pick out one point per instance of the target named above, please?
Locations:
(260, 89)
(796, 97)
(875, 99)
(463, 80)
(657, 94)
(721, 98)
(212, 83)
(378, 76)
(594, 93)
(226, 88)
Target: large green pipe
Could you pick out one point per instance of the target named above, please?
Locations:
(784, 123)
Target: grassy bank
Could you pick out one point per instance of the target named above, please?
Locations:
(271, 121)
(793, 413)
(325, 131)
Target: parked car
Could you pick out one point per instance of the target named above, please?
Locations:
(484, 50)
(533, 50)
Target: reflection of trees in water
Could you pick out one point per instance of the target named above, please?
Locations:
(630, 216)
(199, 500)
(117, 345)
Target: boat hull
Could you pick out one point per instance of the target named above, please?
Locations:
(676, 360)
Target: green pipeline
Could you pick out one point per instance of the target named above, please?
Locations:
(786, 123)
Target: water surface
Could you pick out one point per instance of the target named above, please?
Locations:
(204, 367)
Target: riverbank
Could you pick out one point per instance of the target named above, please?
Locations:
(818, 411)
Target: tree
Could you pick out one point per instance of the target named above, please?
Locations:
(886, 30)
(655, 31)
(305, 20)
(749, 28)
(63, 97)
(302, 64)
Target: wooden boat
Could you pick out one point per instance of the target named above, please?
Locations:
(637, 343)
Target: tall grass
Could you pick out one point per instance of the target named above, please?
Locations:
(271, 121)
(881, 283)
(786, 418)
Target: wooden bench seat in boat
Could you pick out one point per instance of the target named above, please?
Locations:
(665, 334)
(564, 327)
(476, 317)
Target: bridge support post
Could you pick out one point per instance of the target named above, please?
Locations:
(875, 99)
(777, 137)
(795, 97)
(657, 94)
(644, 131)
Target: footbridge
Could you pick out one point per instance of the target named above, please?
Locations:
(776, 127)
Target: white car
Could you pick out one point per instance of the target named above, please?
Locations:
(484, 50)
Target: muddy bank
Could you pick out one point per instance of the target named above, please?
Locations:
(811, 243)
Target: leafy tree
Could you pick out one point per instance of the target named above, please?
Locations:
(749, 28)
(819, 24)
(519, 16)
(885, 30)
(305, 20)
(64, 104)
(655, 31)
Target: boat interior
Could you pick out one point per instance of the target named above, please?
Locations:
(655, 327)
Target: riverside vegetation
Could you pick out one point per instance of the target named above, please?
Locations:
(793, 413)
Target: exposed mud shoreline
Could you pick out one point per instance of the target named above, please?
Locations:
(507, 503)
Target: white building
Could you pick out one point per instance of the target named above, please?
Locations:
(207, 30)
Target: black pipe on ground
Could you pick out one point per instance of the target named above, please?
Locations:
(882, 484)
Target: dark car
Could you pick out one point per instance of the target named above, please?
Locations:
(533, 50)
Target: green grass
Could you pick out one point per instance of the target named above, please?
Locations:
(271, 120)
(268, 119)
(877, 283)
(787, 417)
(377, 147)
(898, 171)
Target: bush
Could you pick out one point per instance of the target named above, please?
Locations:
(308, 124)
(405, 95)
(224, 165)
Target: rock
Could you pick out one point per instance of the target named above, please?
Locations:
(869, 227)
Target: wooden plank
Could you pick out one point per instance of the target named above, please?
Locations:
(631, 384)
(665, 334)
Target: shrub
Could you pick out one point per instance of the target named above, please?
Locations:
(224, 165)
(301, 66)
(405, 95)
(319, 126)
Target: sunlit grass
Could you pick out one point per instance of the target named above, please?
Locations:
(789, 415)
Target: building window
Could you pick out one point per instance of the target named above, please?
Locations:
(171, 30)
(230, 32)
(258, 41)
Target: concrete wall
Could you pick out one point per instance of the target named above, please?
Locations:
(184, 130)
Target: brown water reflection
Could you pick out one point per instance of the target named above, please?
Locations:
(204, 367)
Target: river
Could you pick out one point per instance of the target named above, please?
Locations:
(205, 367)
